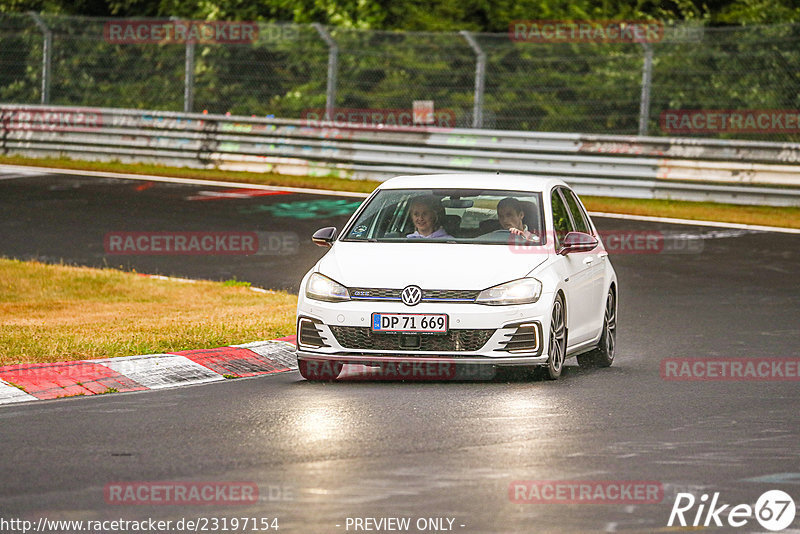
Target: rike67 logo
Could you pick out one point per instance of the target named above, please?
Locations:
(774, 510)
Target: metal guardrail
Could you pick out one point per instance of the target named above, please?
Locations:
(743, 172)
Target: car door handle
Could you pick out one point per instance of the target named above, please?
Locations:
(588, 261)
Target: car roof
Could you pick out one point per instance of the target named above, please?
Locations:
(511, 182)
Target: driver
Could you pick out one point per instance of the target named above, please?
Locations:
(510, 213)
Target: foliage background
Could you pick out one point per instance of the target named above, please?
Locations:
(719, 54)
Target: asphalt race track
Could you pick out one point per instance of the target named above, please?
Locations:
(57, 218)
(429, 451)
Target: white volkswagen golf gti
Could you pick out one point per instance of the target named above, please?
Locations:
(463, 268)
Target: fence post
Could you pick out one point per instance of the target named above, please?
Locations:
(188, 78)
(480, 79)
(47, 51)
(333, 68)
(647, 77)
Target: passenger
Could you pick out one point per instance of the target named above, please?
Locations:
(427, 214)
(511, 213)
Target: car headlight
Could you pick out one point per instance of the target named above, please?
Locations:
(320, 287)
(522, 291)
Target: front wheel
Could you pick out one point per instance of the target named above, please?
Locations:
(319, 369)
(603, 355)
(558, 341)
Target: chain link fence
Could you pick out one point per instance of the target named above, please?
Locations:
(481, 80)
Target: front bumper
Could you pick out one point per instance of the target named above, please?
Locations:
(478, 334)
(377, 359)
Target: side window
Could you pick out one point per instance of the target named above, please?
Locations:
(561, 223)
(578, 216)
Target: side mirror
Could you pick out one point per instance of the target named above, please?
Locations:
(577, 242)
(324, 236)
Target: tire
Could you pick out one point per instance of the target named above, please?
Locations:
(558, 341)
(603, 355)
(319, 369)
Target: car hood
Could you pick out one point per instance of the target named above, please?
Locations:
(428, 265)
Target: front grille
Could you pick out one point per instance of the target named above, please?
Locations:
(371, 293)
(358, 337)
(428, 295)
(449, 294)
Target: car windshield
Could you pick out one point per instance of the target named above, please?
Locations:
(453, 215)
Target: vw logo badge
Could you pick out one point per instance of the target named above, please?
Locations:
(411, 295)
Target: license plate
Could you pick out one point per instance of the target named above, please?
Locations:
(424, 323)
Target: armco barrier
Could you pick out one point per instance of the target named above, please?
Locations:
(744, 172)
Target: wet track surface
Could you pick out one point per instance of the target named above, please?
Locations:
(321, 453)
(72, 219)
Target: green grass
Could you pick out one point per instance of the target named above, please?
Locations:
(761, 215)
(313, 182)
(52, 313)
(236, 283)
